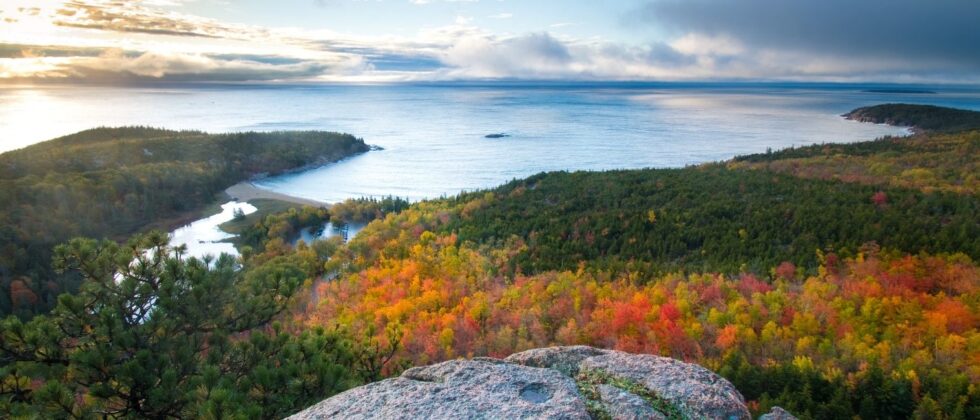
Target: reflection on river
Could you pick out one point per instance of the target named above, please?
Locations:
(328, 229)
(203, 237)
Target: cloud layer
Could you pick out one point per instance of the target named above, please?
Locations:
(888, 37)
(137, 41)
(936, 31)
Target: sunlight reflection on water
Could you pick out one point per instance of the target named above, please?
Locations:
(203, 236)
(434, 136)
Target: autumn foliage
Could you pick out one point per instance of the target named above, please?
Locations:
(907, 315)
(901, 312)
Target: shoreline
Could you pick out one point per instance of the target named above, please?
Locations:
(246, 190)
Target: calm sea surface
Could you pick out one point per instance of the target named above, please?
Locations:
(434, 136)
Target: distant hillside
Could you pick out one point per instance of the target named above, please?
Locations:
(921, 117)
(940, 159)
(112, 182)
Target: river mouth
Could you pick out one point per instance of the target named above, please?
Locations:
(204, 237)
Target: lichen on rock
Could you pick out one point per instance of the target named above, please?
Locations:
(777, 413)
(576, 382)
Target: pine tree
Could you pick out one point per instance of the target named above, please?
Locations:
(153, 334)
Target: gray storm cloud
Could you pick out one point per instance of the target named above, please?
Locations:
(901, 35)
(800, 40)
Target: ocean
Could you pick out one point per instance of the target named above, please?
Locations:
(434, 136)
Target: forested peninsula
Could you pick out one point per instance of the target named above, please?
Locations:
(926, 118)
(114, 182)
(831, 280)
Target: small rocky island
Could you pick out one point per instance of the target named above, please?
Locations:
(577, 382)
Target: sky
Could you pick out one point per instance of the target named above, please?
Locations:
(367, 41)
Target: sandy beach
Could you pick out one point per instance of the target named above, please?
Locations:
(244, 191)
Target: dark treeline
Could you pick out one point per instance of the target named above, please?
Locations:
(362, 210)
(964, 145)
(864, 148)
(808, 394)
(282, 226)
(709, 218)
(112, 182)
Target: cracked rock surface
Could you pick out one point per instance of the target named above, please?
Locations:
(542, 383)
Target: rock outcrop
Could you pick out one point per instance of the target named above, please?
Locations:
(777, 413)
(575, 382)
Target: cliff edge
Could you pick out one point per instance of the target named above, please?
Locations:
(575, 382)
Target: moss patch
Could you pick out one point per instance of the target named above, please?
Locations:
(588, 382)
(593, 402)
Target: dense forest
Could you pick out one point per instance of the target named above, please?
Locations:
(707, 218)
(831, 296)
(153, 334)
(113, 182)
(945, 162)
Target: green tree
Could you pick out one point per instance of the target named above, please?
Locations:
(928, 409)
(153, 334)
(114, 182)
